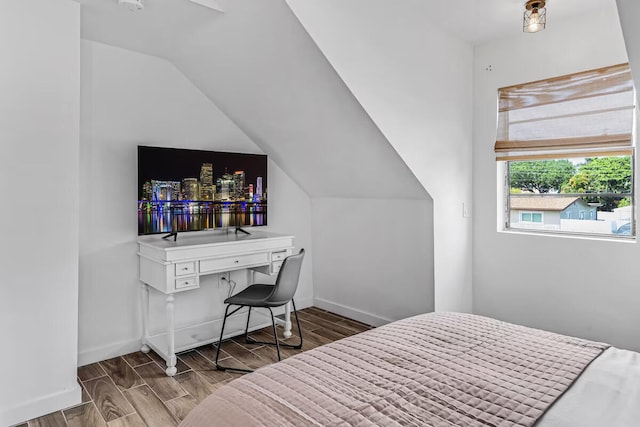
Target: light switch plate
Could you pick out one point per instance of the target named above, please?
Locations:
(466, 210)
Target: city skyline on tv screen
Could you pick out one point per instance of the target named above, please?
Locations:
(191, 190)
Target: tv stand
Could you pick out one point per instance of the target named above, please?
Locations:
(241, 230)
(174, 234)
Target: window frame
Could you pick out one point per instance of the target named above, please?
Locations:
(587, 114)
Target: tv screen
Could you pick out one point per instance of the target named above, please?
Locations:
(192, 190)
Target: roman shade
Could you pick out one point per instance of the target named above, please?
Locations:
(584, 114)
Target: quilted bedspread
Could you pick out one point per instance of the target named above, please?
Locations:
(436, 369)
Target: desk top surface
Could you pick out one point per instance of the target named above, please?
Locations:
(190, 239)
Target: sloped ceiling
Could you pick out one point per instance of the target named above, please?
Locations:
(629, 11)
(258, 65)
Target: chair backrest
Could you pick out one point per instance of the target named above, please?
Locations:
(287, 281)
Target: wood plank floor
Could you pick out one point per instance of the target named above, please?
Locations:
(133, 390)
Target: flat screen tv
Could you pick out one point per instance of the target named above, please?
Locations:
(192, 190)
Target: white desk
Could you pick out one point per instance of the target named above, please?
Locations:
(170, 267)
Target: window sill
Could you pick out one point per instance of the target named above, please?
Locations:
(559, 234)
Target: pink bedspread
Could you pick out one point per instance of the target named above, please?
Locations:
(437, 369)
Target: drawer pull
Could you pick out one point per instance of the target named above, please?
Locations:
(236, 261)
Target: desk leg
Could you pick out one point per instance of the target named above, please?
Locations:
(287, 321)
(144, 305)
(171, 350)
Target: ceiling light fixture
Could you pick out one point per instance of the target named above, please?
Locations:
(535, 16)
(132, 5)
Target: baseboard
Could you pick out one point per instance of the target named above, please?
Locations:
(98, 354)
(41, 406)
(304, 303)
(351, 313)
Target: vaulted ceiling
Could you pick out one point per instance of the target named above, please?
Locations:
(256, 62)
(153, 28)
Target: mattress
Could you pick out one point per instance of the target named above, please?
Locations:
(437, 369)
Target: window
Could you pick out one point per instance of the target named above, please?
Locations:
(533, 217)
(567, 149)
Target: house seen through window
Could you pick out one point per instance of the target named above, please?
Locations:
(531, 217)
(569, 153)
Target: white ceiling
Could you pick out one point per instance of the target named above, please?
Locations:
(152, 29)
(479, 21)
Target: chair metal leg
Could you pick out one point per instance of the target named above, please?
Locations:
(275, 332)
(250, 340)
(295, 312)
(224, 321)
(246, 329)
(298, 346)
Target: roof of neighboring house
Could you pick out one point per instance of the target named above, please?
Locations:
(541, 203)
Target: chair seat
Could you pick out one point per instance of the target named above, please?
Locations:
(254, 295)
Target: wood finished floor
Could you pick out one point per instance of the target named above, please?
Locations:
(133, 390)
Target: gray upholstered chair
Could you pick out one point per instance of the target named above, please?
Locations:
(267, 296)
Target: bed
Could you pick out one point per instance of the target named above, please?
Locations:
(441, 370)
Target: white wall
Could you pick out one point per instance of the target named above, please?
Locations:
(380, 244)
(582, 287)
(262, 68)
(39, 130)
(257, 63)
(415, 81)
(129, 99)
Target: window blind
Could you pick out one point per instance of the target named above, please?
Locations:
(578, 115)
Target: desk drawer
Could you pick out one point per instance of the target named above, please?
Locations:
(276, 266)
(187, 282)
(240, 261)
(278, 256)
(184, 268)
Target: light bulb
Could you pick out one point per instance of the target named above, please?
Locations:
(534, 23)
